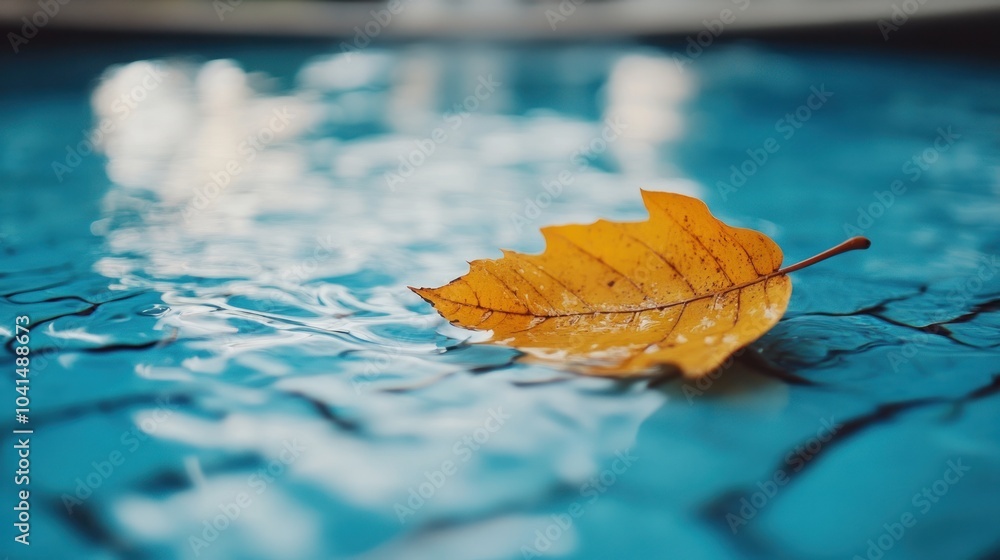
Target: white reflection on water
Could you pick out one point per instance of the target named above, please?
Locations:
(648, 93)
(303, 254)
(220, 178)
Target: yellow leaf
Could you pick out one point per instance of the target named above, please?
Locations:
(681, 290)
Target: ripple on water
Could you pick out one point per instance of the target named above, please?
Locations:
(251, 332)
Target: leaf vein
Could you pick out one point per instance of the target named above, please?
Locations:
(699, 242)
(606, 265)
(662, 258)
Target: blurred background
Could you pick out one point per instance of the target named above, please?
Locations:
(210, 212)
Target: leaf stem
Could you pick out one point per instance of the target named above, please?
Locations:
(852, 244)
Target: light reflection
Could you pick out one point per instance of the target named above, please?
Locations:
(192, 127)
(306, 247)
(647, 93)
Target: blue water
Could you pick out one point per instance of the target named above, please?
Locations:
(221, 333)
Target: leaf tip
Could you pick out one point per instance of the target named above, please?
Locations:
(422, 292)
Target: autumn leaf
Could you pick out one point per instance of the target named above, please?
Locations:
(681, 290)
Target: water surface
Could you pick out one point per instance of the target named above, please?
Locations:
(218, 299)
